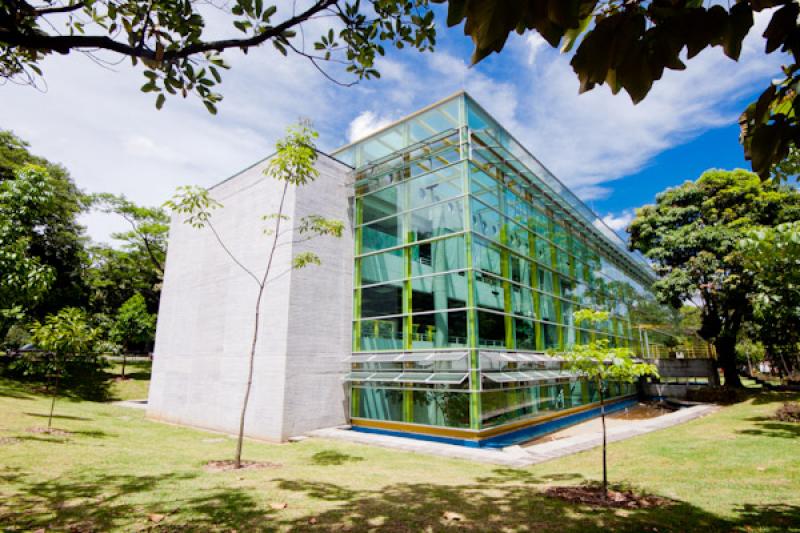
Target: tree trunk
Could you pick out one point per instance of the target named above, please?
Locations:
(124, 360)
(52, 404)
(603, 422)
(726, 360)
(253, 344)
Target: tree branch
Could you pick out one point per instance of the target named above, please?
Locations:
(64, 43)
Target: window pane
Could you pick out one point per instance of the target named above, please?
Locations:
(439, 293)
(484, 187)
(525, 334)
(383, 334)
(439, 330)
(381, 204)
(381, 300)
(378, 268)
(547, 307)
(486, 221)
(436, 220)
(383, 234)
(522, 301)
(380, 404)
(550, 335)
(491, 330)
(438, 256)
(489, 291)
(436, 408)
(486, 257)
(435, 187)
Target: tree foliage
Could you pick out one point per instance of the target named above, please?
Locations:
(177, 44)
(628, 45)
(40, 205)
(692, 236)
(134, 326)
(61, 337)
(771, 257)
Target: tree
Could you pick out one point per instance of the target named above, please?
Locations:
(149, 226)
(628, 45)
(171, 39)
(293, 165)
(771, 257)
(135, 264)
(789, 167)
(600, 364)
(133, 326)
(42, 204)
(61, 337)
(691, 236)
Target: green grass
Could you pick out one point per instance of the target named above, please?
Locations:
(736, 470)
(137, 381)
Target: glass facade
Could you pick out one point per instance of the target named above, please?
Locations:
(470, 260)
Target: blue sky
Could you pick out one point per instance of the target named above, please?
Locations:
(614, 155)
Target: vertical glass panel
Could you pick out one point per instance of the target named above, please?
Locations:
(439, 293)
(524, 334)
(438, 256)
(377, 268)
(550, 336)
(521, 301)
(547, 307)
(543, 252)
(489, 292)
(380, 404)
(436, 408)
(436, 220)
(381, 300)
(439, 330)
(382, 234)
(435, 187)
(484, 187)
(485, 220)
(517, 239)
(381, 204)
(520, 270)
(383, 334)
(486, 257)
(562, 261)
(491, 330)
(546, 280)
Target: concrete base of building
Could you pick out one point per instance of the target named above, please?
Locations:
(499, 437)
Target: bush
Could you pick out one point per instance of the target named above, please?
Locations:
(790, 412)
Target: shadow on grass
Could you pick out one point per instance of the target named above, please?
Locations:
(96, 502)
(333, 458)
(507, 500)
(60, 417)
(774, 428)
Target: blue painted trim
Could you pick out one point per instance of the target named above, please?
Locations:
(512, 437)
(420, 436)
(531, 432)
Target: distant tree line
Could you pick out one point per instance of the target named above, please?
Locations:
(48, 264)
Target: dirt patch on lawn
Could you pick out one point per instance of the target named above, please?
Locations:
(50, 431)
(224, 466)
(9, 440)
(789, 412)
(592, 495)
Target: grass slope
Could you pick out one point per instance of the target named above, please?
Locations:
(735, 470)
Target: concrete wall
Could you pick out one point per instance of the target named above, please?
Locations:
(687, 368)
(206, 315)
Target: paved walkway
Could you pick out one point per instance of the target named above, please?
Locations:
(520, 456)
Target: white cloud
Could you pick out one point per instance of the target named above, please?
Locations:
(101, 127)
(535, 43)
(364, 124)
(619, 222)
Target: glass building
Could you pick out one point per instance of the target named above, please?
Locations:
(470, 260)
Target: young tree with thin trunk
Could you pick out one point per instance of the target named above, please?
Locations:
(600, 364)
(61, 338)
(293, 166)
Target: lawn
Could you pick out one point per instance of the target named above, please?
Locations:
(736, 470)
(136, 382)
